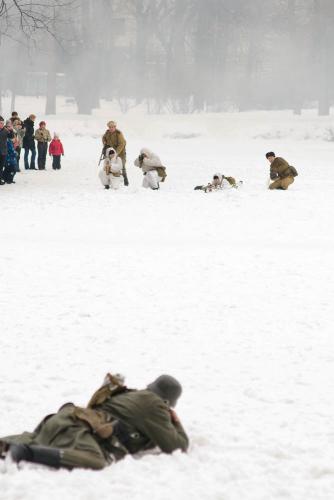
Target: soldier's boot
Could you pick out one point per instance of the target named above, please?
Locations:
(3, 448)
(36, 454)
(125, 177)
(197, 188)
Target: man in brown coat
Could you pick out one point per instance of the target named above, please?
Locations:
(116, 422)
(281, 172)
(113, 138)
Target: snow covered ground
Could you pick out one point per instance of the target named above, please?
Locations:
(231, 292)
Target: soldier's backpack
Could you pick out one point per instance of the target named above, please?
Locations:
(161, 173)
(293, 171)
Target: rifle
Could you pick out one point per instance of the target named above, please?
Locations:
(101, 158)
(103, 154)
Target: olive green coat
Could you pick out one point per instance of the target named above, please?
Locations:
(115, 140)
(279, 168)
(146, 423)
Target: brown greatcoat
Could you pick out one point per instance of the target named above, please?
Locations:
(113, 425)
(280, 168)
(115, 140)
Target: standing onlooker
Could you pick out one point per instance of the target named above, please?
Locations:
(29, 143)
(15, 116)
(56, 150)
(43, 137)
(5, 133)
(19, 133)
(113, 138)
(11, 163)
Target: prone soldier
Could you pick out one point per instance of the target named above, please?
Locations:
(116, 422)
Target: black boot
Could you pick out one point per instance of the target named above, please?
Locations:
(106, 186)
(3, 448)
(197, 188)
(37, 454)
(125, 177)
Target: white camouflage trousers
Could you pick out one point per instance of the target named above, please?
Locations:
(109, 180)
(151, 180)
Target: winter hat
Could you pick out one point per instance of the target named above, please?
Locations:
(42, 123)
(111, 124)
(271, 153)
(55, 135)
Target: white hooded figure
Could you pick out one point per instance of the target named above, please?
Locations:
(110, 174)
(150, 164)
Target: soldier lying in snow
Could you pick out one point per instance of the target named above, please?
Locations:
(219, 181)
(153, 170)
(116, 422)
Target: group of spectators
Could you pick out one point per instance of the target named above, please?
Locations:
(16, 135)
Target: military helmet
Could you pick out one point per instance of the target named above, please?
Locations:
(167, 387)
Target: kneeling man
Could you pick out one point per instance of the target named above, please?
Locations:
(281, 172)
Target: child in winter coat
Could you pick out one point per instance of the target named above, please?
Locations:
(56, 150)
(11, 163)
(110, 174)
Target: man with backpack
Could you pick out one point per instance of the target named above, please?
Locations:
(281, 172)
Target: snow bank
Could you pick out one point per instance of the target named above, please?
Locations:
(230, 291)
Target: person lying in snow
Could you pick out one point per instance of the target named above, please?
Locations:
(219, 181)
(152, 168)
(110, 175)
(116, 422)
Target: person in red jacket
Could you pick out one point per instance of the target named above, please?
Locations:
(56, 150)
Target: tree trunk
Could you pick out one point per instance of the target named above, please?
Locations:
(323, 9)
(50, 107)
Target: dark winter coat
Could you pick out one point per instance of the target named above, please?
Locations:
(280, 168)
(11, 163)
(139, 420)
(29, 137)
(11, 158)
(4, 135)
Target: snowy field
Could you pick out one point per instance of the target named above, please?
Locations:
(231, 292)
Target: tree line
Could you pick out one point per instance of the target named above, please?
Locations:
(180, 56)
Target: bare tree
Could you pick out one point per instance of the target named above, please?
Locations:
(29, 18)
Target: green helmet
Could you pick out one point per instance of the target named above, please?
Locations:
(168, 388)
